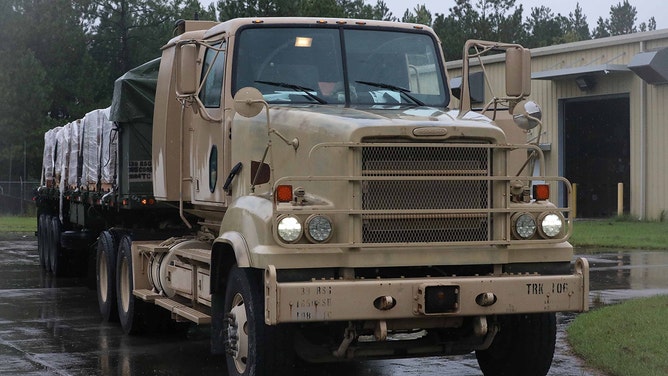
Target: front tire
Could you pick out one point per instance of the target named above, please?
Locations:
(523, 346)
(252, 347)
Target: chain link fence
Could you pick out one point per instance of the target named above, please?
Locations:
(16, 197)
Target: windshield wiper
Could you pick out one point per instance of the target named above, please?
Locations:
(401, 90)
(303, 89)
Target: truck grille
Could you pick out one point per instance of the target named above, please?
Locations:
(426, 192)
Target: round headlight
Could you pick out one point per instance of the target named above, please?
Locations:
(319, 228)
(551, 225)
(524, 225)
(289, 229)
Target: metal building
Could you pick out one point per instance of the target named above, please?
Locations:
(605, 114)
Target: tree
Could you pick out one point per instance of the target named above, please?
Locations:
(544, 28)
(578, 28)
(127, 33)
(622, 21)
(45, 75)
(602, 28)
(419, 15)
(497, 20)
(307, 8)
(623, 17)
(650, 25)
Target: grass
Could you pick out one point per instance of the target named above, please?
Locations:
(625, 339)
(620, 233)
(13, 226)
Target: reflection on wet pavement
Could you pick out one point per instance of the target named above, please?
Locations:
(52, 326)
(620, 275)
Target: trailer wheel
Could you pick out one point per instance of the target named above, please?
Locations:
(48, 241)
(131, 312)
(77, 240)
(41, 240)
(105, 271)
(523, 346)
(56, 256)
(252, 347)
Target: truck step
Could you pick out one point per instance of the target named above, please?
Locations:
(147, 295)
(151, 248)
(196, 254)
(183, 311)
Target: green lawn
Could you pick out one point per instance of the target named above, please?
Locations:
(11, 226)
(620, 234)
(18, 224)
(629, 338)
(626, 339)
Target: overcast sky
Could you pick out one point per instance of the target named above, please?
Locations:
(593, 9)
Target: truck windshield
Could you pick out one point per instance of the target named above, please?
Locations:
(310, 65)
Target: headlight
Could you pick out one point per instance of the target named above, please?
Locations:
(551, 224)
(524, 225)
(318, 228)
(289, 229)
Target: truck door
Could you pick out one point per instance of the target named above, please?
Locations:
(208, 130)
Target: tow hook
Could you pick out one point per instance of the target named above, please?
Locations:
(348, 337)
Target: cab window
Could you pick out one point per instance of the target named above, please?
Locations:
(213, 71)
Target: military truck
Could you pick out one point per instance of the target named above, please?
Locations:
(305, 187)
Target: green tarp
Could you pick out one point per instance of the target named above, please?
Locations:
(134, 94)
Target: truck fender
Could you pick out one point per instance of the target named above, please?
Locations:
(228, 249)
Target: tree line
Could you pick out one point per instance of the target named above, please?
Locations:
(60, 58)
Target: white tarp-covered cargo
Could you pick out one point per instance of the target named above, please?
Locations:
(99, 148)
(95, 137)
(76, 128)
(49, 158)
(62, 146)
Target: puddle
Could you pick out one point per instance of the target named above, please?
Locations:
(618, 275)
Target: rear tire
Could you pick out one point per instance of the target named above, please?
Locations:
(48, 242)
(523, 346)
(105, 270)
(41, 240)
(56, 256)
(131, 312)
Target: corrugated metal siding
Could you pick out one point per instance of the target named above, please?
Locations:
(549, 93)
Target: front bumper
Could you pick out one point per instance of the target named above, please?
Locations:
(406, 298)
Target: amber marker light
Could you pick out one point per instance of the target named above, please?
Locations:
(541, 192)
(284, 193)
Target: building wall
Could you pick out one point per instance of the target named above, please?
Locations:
(648, 107)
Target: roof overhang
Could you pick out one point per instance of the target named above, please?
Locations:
(568, 73)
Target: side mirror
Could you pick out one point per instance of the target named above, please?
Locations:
(248, 102)
(186, 82)
(527, 114)
(518, 72)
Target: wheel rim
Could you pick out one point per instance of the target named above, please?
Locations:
(125, 286)
(237, 333)
(103, 283)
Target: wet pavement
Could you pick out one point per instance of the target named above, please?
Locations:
(52, 326)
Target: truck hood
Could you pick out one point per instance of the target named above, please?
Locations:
(354, 124)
